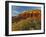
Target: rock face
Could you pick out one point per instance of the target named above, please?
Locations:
(28, 20)
(34, 14)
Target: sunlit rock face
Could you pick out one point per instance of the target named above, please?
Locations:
(34, 14)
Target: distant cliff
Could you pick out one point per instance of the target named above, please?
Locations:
(34, 14)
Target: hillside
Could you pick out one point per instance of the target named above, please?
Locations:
(27, 20)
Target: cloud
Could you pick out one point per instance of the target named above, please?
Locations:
(14, 13)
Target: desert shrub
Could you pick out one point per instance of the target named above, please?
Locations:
(27, 24)
(36, 24)
(22, 25)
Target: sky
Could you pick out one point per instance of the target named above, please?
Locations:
(19, 9)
